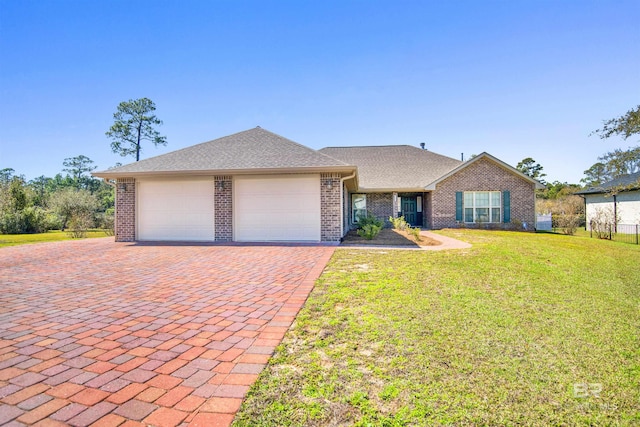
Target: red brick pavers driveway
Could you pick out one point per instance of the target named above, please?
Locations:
(100, 333)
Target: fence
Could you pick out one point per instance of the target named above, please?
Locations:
(627, 233)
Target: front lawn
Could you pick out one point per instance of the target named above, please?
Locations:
(521, 329)
(50, 236)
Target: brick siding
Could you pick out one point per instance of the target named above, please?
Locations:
(330, 227)
(427, 212)
(223, 205)
(125, 223)
(483, 175)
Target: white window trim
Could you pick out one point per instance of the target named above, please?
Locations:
(353, 209)
(474, 207)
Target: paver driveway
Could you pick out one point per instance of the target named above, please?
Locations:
(121, 334)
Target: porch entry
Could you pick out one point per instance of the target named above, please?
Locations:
(410, 207)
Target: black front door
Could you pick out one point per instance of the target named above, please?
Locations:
(410, 210)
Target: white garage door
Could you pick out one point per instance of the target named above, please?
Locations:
(277, 208)
(176, 210)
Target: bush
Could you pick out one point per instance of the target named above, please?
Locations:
(569, 223)
(106, 222)
(370, 231)
(603, 222)
(28, 220)
(70, 203)
(53, 221)
(79, 225)
(567, 212)
(415, 232)
(370, 219)
(398, 223)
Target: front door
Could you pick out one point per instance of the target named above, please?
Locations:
(410, 211)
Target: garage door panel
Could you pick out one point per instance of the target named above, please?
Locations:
(277, 209)
(176, 210)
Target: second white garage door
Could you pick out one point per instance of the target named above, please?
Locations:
(176, 210)
(281, 208)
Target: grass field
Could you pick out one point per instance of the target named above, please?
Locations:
(521, 329)
(51, 236)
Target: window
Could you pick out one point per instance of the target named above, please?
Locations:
(358, 206)
(482, 206)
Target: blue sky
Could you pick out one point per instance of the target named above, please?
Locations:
(514, 78)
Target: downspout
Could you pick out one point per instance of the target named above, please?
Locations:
(342, 180)
(615, 213)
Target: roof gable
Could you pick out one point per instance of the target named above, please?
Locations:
(393, 167)
(254, 149)
(484, 155)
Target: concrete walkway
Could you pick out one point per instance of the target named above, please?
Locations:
(447, 243)
(99, 333)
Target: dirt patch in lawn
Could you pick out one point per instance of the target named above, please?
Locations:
(388, 237)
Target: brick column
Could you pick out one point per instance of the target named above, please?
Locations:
(223, 205)
(125, 222)
(331, 229)
(394, 202)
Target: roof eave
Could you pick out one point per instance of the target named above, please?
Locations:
(209, 172)
(391, 190)
(607, 190)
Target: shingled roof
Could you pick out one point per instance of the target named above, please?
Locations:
(394, 167)
(625, 182)
(252, 150)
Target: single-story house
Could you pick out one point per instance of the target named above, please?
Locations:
(618, 198)
(258, 186)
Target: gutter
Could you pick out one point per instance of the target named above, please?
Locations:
(213, 172)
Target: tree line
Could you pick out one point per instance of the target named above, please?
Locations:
(559, 199)
(75, 200)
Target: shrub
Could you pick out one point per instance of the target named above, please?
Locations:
(415, 232)
(79, 225)
(53, 221)
(567, 212)
(30, 219)
(370, 219)
(106, 222)
(398, 223)
(569, 223)
(369, 231)
(70, 203)
(603, 222)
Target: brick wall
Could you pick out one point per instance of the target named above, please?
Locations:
(330, 227)
(483, 175)
(381, 206)
(427, 219)
(223, 205)
(125, 222)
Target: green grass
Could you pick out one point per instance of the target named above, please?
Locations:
(50, 236)
(499, 334)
